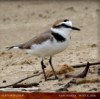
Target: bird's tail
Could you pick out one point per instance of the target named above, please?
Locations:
(11, 47)
(20, 46)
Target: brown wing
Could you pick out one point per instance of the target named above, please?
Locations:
(36, 40)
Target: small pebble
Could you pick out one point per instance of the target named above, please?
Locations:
(93, 45)
(67, 85)
(93, 89)
(19, 6)
(4, 81)
(60, 84)
(21, 67)
(98, 10)
(62, 89)
(24, 90)
(35, 84)
(2, 69)
(73, 81)
(40, 81)
(86, 8)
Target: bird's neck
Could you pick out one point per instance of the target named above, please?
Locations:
(63, 32)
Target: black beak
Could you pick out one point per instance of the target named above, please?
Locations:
(74, 28)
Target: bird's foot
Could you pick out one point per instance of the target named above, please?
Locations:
(56, 77)
(44, 66)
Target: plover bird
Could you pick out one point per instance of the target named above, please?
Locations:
(50, 42)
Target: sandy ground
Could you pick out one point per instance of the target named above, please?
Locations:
(21, 20)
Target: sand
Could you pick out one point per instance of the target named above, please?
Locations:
(22, 20)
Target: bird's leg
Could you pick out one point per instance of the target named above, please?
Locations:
(50, 62)
(43, 68)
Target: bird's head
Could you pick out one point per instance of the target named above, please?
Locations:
(65, 25)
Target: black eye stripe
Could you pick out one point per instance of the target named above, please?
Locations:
(66, 26)
(63, 25)
(66, 20)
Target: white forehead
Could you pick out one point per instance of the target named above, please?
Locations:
(69, 23)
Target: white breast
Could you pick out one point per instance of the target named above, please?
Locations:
(48, 48)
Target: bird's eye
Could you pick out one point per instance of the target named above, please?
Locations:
(66, 20)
